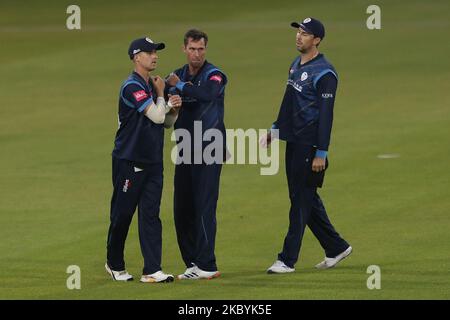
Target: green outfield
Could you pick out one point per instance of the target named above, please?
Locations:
(58, 117)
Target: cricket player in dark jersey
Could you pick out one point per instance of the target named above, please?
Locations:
(137, 164)
(304, 122)
(202, 88)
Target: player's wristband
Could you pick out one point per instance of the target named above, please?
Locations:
(321, 154)
(180, 85)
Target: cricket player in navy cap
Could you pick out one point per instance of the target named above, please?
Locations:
(137, 163)
(202, 88)
(304, 122)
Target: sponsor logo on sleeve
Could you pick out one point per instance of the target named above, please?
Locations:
(140, 95)
(217, 78)
(327, 95)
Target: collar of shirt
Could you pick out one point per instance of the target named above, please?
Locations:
(320, 55)
(193, 78)
(138, 77)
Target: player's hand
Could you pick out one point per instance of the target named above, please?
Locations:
(172, 80)
(175, 101)
(318, 164)
(159, 85)
(265, 140)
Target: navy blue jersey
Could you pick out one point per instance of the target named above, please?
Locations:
(299, 115)
(138, 138)
(203, 100)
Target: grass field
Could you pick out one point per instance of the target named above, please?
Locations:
(58, 116)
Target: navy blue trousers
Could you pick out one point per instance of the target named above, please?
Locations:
(195, 202)
(307, 208)
(142, 189)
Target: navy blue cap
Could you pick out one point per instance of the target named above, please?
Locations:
(144, 44)
(311, 25)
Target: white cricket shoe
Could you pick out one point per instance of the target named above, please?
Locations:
(118, 275)
(158, 276)
(188, 271)
(280, 267)
(328, 263)
(195, 273)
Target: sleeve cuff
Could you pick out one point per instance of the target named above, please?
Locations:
(321, 154)
(180, 85)
(145, 104)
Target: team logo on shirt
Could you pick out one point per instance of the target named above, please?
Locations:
(304, 76)
(140, 95)
(126, 185)
(217, 78)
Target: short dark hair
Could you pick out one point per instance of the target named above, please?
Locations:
(195, 35)
(319, 43)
